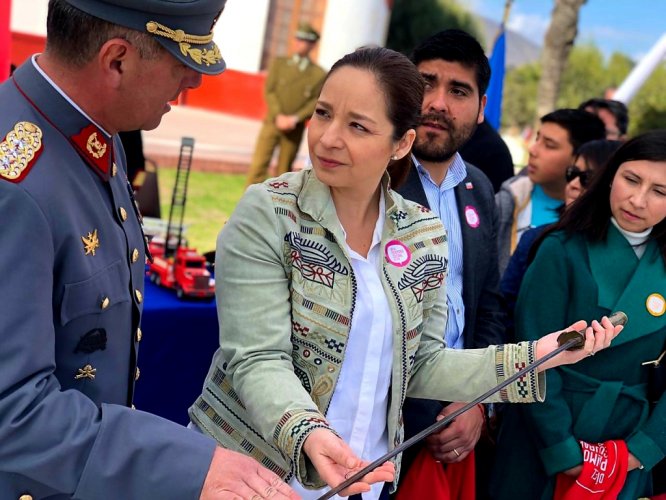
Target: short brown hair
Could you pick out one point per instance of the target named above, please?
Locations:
(75, 37)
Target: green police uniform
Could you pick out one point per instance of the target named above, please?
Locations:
(292, 88)
(602, 397)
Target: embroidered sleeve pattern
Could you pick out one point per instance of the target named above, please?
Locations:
(290, 434)
(510, 359)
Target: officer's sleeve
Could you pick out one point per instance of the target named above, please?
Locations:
(272, 101)
(61, 439)
(540, 310)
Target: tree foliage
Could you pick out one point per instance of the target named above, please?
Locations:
(412, 21)
(648, 109)
(520, 95)
(587, 75)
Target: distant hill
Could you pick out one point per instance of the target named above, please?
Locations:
(519, 50)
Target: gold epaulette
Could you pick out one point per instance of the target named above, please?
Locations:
(19, 151)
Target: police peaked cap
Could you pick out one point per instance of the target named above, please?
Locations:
(183, 27)
(307, 32)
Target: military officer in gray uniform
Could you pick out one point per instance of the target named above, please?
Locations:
(292, 88)
(72, 261)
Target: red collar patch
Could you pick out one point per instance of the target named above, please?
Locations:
(96, 149)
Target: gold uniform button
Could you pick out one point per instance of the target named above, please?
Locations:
(105, 303)
(114, 170)
(137, 374)
(123, 213)
(139, 334)
(25, 497)
(135, 255)
(139, 295)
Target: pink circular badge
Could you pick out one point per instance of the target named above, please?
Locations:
(397, 253)
(472, 216)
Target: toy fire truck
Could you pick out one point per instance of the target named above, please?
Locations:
(175, 265)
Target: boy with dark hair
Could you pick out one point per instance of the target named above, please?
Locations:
(526, 201)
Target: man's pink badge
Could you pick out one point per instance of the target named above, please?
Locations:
(397, 253)
(472, 216)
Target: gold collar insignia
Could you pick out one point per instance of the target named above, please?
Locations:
(90, 242)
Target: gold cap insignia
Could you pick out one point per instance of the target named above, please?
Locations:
(18, 150)
(90, 242)
(207, 55)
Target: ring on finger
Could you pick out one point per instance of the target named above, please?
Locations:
(456, 452)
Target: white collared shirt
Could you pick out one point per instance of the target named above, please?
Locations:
(359, 406)
(65, 96)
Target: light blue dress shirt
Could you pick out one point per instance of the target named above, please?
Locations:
(442, 201)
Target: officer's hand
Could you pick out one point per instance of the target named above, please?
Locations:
(335, 461)
(234, 475)
(455, 442)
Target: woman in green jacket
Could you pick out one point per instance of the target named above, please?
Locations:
(607, 253)
(331, 300)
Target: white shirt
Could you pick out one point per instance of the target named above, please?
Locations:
(636, 240)
(359, 406)
(65, 96)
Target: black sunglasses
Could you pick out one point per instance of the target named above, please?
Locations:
(573, 171)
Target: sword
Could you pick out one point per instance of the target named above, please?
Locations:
(569, 339)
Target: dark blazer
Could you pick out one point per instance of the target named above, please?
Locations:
(484, 317)
(483, 311)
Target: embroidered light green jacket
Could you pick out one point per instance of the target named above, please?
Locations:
(286, 295)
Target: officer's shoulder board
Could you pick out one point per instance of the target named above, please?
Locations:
(19, 151)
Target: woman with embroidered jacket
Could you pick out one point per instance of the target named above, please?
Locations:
(331, 300)
(608, 252)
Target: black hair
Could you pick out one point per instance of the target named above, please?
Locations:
(596, 153)
(458, 46)
(616, 108)
(75, 37)
(581, 126)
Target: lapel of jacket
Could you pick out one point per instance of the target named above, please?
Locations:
(412, 189)
(626, 283)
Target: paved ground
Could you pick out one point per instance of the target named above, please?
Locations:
(222, 142)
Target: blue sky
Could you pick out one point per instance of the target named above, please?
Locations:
(628, 26)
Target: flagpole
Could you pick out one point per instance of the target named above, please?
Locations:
(493, 110)
(507, 11)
